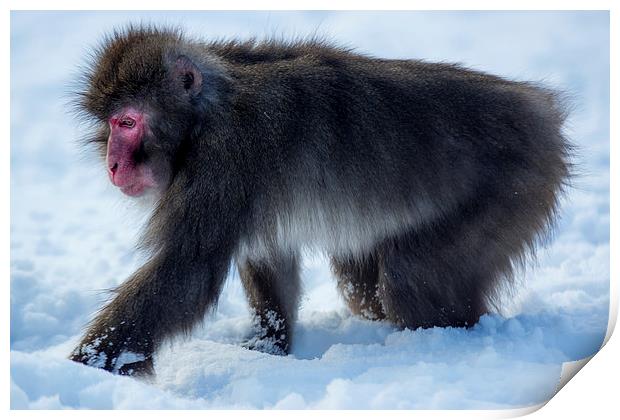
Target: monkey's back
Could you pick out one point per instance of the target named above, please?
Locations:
(361, 146)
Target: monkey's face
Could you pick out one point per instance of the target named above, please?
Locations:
(125, 156)
(147, 97)
(142, 146)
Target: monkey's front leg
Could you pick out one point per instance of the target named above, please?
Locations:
(166, 296)
(272, 287)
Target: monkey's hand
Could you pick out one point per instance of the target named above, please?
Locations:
(269, 334)
(265, 345)
(118, 340)
(103, 351)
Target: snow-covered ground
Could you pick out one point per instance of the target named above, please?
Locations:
(72, 237)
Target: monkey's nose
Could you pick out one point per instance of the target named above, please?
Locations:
(113, 170)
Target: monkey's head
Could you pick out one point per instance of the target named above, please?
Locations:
(150, 92)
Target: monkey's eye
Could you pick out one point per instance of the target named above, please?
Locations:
(188, 80)
(127, 122)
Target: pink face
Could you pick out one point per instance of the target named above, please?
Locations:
(127, 130)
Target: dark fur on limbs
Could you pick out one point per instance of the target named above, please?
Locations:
(358, 282)
(272, 287)
(425, 183)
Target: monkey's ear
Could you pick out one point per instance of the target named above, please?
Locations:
(188, 75)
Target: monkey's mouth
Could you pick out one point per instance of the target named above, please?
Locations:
(134, 181)
(134, 190)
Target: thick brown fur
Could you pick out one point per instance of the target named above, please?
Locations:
(426, 184)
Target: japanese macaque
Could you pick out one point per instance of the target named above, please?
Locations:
(426, 184)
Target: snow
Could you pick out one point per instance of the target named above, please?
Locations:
(72, 237)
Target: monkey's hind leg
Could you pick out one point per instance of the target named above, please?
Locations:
(446, 273)
(358, 284)
(272, 286)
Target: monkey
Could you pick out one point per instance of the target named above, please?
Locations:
(426, 184)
